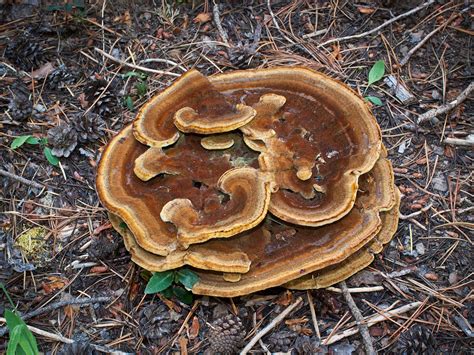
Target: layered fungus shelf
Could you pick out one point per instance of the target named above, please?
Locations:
(255, 179)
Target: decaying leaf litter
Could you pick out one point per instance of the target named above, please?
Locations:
(84, 72)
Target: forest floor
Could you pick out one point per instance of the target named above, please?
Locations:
(57, 246)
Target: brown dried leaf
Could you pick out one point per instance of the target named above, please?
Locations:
(194, 329)
(285, 299)
(54, 283)
(43, 71)
(365, 10)
(203, 17)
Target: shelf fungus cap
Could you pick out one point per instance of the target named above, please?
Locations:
(218, 141)
(333, 274)
(249, 196)
(188, 120)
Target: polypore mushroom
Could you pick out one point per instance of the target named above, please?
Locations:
(249, 196)
(359, 260)
(280, 253)
(217, 142)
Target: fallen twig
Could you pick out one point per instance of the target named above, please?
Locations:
(374, 319)
(424, 40)
(447, 107)
(363, 34)
(414, 214)
(217, 20)
(270, 326)
(357, 289)
(53, 306)
(468, 142)
(364, 330)
(138, 67)
(313, 315)
(21, 179)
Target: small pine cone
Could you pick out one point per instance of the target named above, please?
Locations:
(107, 99)
(63, 138)
(59, 78)
(281, 341)
(157, 321)
(78, 348)
(25, 52)
(89, 127)
(305, 344)
(417, 340)
(20, 106)
(226, 335)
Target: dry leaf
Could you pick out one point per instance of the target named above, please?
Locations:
(183, 345)
(54, 283)
(365, 10)
(82, 100)
(285, 299)
(98, 269)
(102, 227)
(203, 17)
(43, 71)
(194, 330)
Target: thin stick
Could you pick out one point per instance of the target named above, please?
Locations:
(374, 319)
(364, 330)
(138, 67)
(469, 142)
(53, 306)
(313, 314)
(46, 334)
(414, 214)
(424, 40)
(21, 179)
(367, 33)
(447, 107)
(357, 289)
(270, 326)
(217, 20)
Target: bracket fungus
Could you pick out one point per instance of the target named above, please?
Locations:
(255, 179)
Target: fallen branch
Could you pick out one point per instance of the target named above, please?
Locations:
(468, 142)
(21, 179)
(270, 326)
(367, 33)
(372, 320)
(53, 306)
(133, 66)
(447, 107)
(364, 330)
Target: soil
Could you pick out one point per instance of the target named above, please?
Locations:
(56, 243)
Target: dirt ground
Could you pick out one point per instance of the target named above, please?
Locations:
(56, 245)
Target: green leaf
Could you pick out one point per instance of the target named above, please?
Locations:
(168, 293)
(33, 140)
(14, 341)
(187, 278)
(3, 288)
(375, 100)
(135, 74)
(183, 295)
(142, 88)
(376, 72)
(13, 319)
(159, 281)
(53, 160)
(19, 141)
(129, 103)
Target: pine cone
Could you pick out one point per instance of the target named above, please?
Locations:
(417, 340)
(281, 341)
(107, 100)
(25, 52)
(63, 138)
(89, 127)
(305, 344)
(157, 321)
(78, 348)
(20, 106)
(226, 335)
(59, 78)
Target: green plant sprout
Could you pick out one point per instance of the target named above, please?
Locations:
(29, 139)
(21, 340)
(375, 74)
(171, 282)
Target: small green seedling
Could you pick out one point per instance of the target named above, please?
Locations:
(28, 139)
(375, 74)
(171, 282)
(21, 341)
